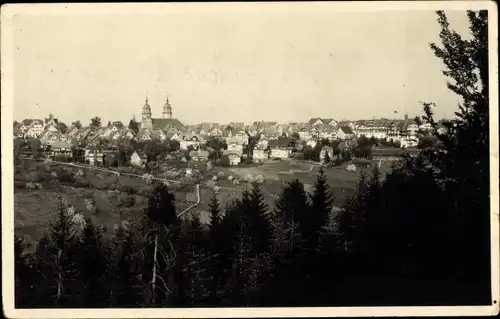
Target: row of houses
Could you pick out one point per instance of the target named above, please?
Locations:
(235, 133)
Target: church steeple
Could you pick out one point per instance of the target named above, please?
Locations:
(167, 110)
(147, 122)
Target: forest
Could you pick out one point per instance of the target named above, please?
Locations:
(420, 235)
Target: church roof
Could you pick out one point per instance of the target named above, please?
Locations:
(165, 124)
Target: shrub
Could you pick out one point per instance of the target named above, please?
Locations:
(126, 201)
(66, 178)
(236, 182)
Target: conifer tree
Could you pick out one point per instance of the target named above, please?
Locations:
(161, 228)
(191, 270)
(94, 272)
(321, 208)
(291, 208)
(256, 215)
(242, 285)
(57, 262)
(125, 288)
(215, 216)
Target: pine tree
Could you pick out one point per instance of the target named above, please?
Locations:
(125, 288)
(161, 228)
(256, 215)
(56, 261)
(215, 216)
(242, 285)
(291, 208)
(321, 208)
(94, 273)
(191, 269)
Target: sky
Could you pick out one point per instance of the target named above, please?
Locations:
(230, 64)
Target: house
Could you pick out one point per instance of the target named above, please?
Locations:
(26, 124)
(61, 148)
(124, 133)
(376, 128)
(234, 144)
(186, 140)
(35, 128)
(345, 133)
(316, 121)
(271, 132)
(234, 156)
(304, 135)
(351, 124)
(260, 155)
(48, 137)
(199, 156)
(322, 154)
(51, 127)
(73, 131)
(242, 136)
(329, 133)
(280, 148)
(139, 159)
(93, 156)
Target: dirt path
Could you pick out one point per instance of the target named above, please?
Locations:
(293, 171)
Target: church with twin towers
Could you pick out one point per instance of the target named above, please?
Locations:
(166, 121)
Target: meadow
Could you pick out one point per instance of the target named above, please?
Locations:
(119, 198)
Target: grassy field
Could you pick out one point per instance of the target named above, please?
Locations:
(120, 198)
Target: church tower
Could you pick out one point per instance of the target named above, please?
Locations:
(167, 110)
(147, 122)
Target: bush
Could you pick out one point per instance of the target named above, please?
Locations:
(126, 200)
(236, 182)
(82, 183)
(127, 189)
(66, 178)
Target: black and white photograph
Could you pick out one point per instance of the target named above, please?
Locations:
(267, 159)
